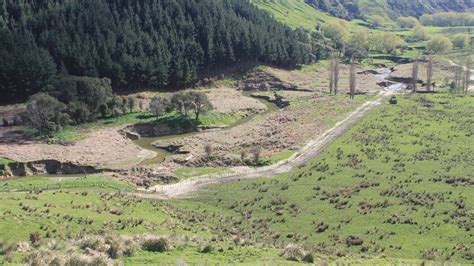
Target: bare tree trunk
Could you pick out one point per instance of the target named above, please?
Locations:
(429, 74)
(331, 75)
(458, 79)
(336, 75)
(352, 79)
(414, 75)
(467, 75)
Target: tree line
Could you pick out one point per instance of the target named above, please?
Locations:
(137, 44)
(448, 19)
(77, 100)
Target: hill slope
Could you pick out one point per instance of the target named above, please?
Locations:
(389, 8)
(137, 44)
(298, 13)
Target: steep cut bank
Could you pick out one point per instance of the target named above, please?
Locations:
(46, 167)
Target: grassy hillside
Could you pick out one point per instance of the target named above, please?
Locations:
(400, 182)
(297, 13)
(374, 7)
(390, 8)
(396, 186)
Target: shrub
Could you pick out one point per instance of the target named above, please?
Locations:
(96, 243)
(79, 113)
(337, 33)
(41, 257)
(156, 244)
(96, 260)
(120, 246)
(131, 102)
(208, 150)
(159, 105)
(376, 21)
(206, 249)
(80, 260)
(256, 153)
(308, 258)
(419, 34)
(293, 252)
(6, 248)
(439, 44)
(354, 241)
(407, 22)
(461, 40)
(35, 238)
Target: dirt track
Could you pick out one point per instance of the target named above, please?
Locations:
(312, 149)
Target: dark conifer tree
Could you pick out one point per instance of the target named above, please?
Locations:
(136, 43)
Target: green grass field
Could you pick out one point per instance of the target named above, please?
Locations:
(400, 182)
(57, 182)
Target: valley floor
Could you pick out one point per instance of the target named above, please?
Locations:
(397, 185)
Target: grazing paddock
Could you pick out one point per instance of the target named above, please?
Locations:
(399, 184)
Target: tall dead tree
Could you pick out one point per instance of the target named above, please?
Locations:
(414, 75)
(331, 75)
(334, 73)
(429, 74)
(467, 75)
(458, 79)
(352, 78)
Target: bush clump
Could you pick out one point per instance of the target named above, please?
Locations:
(156, 244)
(295, 252)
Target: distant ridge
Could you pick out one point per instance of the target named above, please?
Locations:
(389, 8)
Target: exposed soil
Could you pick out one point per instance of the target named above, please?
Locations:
(46, 167)
(309, 114)
(228, 100)
(223, 99)
(312, 149)
(106, 147)
(102, 148)
(441, 71)
(317, 79)
(274, 132)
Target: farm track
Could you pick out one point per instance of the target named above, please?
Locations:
(312, 149)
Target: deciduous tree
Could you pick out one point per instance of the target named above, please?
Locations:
(439, 44)
(45, 114)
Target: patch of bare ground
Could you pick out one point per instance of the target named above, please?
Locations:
(103, 147)
(224, 99)
(441, 71)
(315, 78)
(107, 147)
(229, 100)
(308, 115)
